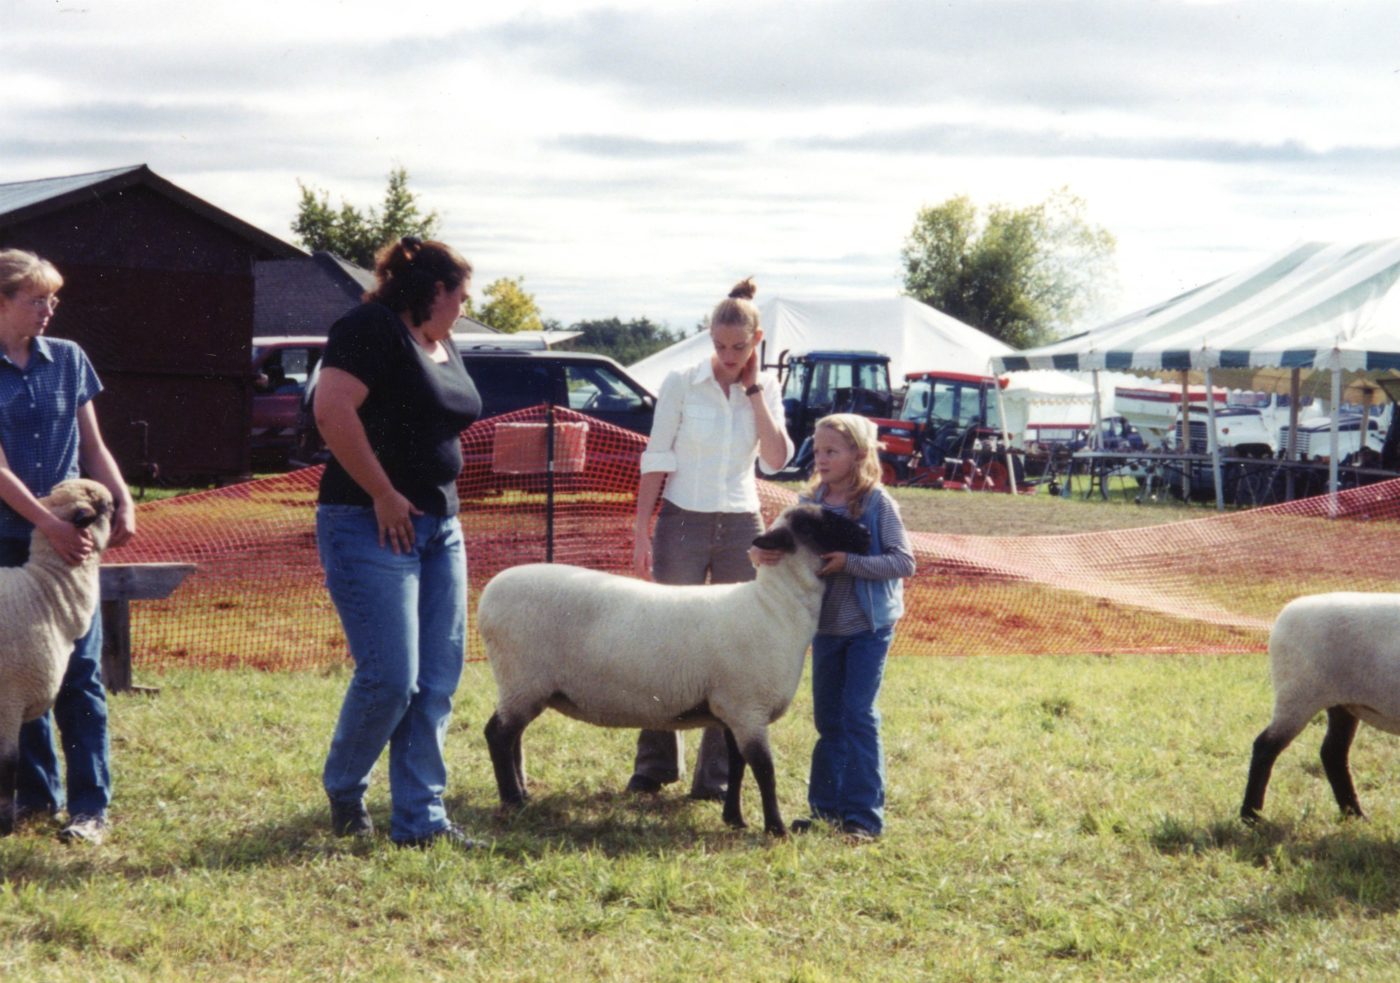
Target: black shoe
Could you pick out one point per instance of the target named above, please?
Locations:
(451, 834)
(351, 819)
(643, 785)
(801, 826)
(33, 815)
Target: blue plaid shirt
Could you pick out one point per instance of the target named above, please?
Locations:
(39, 419)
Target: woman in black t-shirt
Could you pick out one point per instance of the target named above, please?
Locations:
(392, 399)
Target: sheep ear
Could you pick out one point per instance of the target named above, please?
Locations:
(777, 539)
(838, 534)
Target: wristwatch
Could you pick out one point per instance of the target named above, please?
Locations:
(755, 388)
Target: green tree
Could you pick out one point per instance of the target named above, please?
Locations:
(1023, 275)
(509, 307)
(356, 235)
(626, 342)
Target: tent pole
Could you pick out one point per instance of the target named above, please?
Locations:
(1001, 425)
(1295, 393)
(1335, 443)
(1096, 433)
(1183, 445)
(1213, 445)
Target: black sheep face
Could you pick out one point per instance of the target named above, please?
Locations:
(818, 528)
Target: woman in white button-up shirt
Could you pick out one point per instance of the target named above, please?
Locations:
(712, 423)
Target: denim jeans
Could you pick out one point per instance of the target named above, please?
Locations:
(405, 619)
(847, 782)
(80, 712)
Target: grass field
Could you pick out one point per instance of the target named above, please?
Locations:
(1048, 818)
(1065, 818)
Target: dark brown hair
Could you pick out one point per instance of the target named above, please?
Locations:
(407, 273)
(738, 308)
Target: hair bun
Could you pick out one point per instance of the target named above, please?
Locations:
(744, 289)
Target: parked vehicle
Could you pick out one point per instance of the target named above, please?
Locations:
(281, 367)
(1315, 437)
(514, 378)
(817, 383)
(948, 435)
(1155, 411)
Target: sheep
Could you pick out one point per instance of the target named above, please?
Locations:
(620, 652)
(45, 606)
(1338, 652)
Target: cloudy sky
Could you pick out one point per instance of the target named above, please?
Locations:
(635, 158)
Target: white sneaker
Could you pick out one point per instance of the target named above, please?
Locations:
(84, 829)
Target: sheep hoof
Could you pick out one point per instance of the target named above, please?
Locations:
(735, 822)
(507, 809)
(1250, 817)
(779, 831)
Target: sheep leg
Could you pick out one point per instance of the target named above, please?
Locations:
(733, 813)
(9, 774)
(1267, 747)
(760, 759)
(503, 741)
(1336, 746)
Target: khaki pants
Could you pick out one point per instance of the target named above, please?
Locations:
(686, 547)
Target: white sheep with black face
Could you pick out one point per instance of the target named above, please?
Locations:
(620, 652)
(45, 606)
(1339, 652)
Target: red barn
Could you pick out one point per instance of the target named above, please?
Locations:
(158, 289)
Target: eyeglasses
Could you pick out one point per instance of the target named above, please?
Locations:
(50, 301)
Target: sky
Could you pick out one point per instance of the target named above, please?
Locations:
(635, 159)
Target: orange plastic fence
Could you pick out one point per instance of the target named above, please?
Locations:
(1205, 585)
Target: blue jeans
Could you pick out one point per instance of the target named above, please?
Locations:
(80, 711)
(847, 782)
(405, 619)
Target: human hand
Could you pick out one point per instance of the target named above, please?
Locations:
(748, 375)
(73, 545)
(123, 525)
(641, 555)
(761, 557)
(394, 514)
(834, 563)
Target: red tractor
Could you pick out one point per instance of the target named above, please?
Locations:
(948, 435)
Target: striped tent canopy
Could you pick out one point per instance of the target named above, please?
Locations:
(1315, 306)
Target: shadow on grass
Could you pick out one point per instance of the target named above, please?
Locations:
(1315, 876)
(614, 823)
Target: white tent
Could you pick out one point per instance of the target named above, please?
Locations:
(1325, 309)
(915, 336)
(1314, 306)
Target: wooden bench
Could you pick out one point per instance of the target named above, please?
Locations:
(123, 583)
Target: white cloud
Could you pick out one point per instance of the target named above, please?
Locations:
(636, 158)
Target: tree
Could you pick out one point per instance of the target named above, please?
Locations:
(625, 342)
(509, 307)
(356, 235)
(1022, 275)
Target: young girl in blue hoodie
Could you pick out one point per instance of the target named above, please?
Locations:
(863, 600)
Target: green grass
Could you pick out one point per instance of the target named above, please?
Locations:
(1050, 818)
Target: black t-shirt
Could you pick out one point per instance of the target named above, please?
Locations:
(413, 414)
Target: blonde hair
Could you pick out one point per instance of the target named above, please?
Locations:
(738, 308)
(20, 268)
(860, 434)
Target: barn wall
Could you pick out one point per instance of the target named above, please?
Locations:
(161, 298)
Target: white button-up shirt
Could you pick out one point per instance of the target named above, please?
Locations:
(706, 440)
